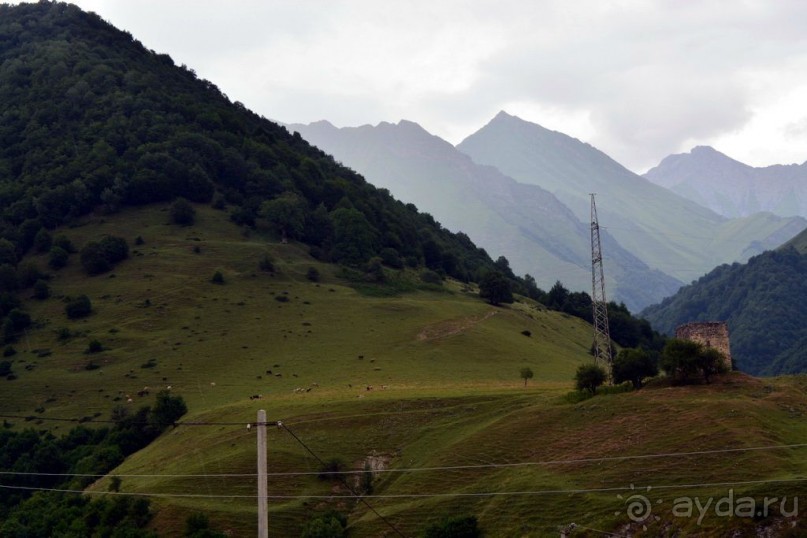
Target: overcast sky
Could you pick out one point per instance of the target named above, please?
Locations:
(639, 80)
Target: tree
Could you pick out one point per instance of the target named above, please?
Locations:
(589, 376)
(683, 359)
(167, 408)
(43, 240)
(353, 236)
(495, 287)
(57, 258)
(526, 373)
(8, 254)
(634, 365)
(286, 214)
(182, 212)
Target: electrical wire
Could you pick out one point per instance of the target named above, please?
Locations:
(146, 423)
(344, 482)
(361, 497)
(430, 469)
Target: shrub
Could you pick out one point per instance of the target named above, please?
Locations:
(312, 274)
(64, 243)
(43, 240)
(57, 258)
(391, 258)
(430, 277)
(8, 278)
(5, 368)
(455, 527)
(80, 307)
(329, 469)
(266, 264)
(375, 270)
(16, 322)
(331, 524)
(217, 278)
(41, 290)
(139, 240)
(28, 273)
(182, 212)
(94, 347)
(100, 256)
(9, 351)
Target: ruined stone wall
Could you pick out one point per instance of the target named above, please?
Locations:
(709, 333)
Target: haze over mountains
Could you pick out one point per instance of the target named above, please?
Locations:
(538, 234)
(534, 206)
(731, 188)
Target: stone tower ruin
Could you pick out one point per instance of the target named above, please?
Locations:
(709, 333)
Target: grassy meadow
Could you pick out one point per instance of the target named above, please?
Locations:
(402, 382)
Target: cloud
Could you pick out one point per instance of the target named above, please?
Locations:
(638, 79)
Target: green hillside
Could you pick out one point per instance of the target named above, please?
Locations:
(443, 367)
(91, 120)
(762, 302)
(799, 242)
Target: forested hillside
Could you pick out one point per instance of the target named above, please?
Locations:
(91, 120)
(762, 302)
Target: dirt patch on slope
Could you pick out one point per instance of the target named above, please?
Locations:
(452, 327)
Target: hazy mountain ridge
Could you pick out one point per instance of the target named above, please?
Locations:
(538, 233)
(732, 188)
(663, 229)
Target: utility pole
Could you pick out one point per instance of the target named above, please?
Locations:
(263, 485)
(599, 305)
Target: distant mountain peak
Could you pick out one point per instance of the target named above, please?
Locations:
(323, 123)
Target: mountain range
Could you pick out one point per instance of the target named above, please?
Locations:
(731, 188)
(538, 233)
(524, 192)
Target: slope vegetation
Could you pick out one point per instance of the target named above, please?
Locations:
(762, 302)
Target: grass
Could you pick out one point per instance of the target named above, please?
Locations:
(444, 371)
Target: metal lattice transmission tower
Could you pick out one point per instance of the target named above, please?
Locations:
(602, 336)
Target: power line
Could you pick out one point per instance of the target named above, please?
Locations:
(361, 497)
(145, 423)
(429, 469)
(341, 479)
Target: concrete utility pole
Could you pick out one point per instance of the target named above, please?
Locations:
(263, 484)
